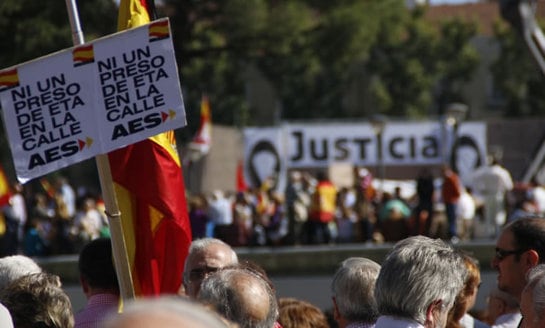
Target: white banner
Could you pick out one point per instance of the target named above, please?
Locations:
(91, 99)
(264, 153)
(403, 143)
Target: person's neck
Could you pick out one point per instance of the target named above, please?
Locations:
(101, 291)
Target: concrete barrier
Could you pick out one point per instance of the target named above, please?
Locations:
(292, 261)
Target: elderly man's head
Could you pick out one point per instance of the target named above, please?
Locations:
(419, 281)
(353, 289)
(241, 295)
(205, 256)
(165, 312)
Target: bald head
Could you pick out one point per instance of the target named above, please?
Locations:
(205, 256)
(164, 312)
(241, 296)
(254, 296)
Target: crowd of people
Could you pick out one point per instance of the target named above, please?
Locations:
(313, 210)
(56, 219)
(421, 283)
(51, 219)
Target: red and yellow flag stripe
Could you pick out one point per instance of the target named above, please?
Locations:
(150, 192)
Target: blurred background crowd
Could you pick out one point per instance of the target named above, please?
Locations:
(56, 218)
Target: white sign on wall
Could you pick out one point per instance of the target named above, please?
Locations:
(91, 99)
(403, 143)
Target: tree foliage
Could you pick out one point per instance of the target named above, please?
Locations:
(31, 29)
(312, 51)
(517, 75)
(418, 67)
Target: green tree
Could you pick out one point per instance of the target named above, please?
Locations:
(208, 61)
(313, 77)
(517, 75)
(31, 29)
(419, 67)
(312, 51)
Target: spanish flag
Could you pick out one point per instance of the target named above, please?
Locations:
(202, 141)
(150, 192)
(158, 31)
(9, 79)
(83, 55)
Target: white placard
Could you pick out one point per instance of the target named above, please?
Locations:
(91, 99)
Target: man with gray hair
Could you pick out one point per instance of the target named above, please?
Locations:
(353, 289)
(242, 296)
(205, 256)
(532, 304)
(418, 283)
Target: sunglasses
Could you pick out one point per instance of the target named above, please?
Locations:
(201, 273)
(502, 253)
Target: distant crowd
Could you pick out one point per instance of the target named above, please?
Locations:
(311, 210)
(56, 219)
(51, 219)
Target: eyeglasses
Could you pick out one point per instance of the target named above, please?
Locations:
(201, 273)
(502, 253)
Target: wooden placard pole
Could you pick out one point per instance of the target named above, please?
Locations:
(119, 249)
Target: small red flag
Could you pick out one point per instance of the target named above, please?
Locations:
(241, 182)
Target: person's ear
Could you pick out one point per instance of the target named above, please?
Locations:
(532, 258)
(181, 290)
(84, 284)
(431, 312)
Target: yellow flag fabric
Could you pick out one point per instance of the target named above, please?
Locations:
(150, 191)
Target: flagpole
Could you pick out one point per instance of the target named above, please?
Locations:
(119, 249)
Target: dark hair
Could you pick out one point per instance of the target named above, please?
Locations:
(96, 264)
(529, 233)
(321, 176)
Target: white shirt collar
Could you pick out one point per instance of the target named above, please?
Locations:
(387, 321)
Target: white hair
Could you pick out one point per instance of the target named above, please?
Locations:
(15, 266)
(192, 314)
(353, 286)
(536, 283)
(418, 271)
(198, 245)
